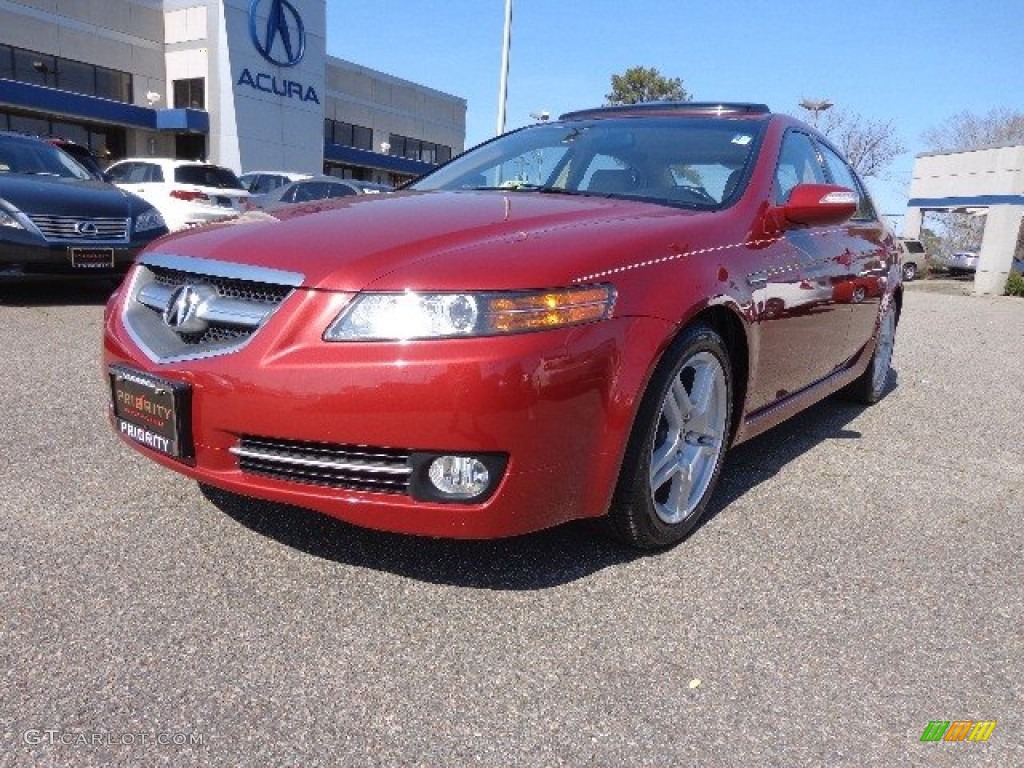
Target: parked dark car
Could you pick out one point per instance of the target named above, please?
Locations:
(311, 189)
(573, 320)
(82, 154)
(56, 219)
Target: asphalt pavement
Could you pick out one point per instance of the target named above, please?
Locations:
(859, 577)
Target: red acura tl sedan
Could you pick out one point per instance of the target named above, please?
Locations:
(573, 320)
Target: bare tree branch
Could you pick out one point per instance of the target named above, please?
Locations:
(870, 146)
(965, 131)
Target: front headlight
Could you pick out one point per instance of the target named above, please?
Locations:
(147, 220)
(409, 315)
(7, 220)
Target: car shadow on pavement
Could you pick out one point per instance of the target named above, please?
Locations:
(48, 293)
(536, 561)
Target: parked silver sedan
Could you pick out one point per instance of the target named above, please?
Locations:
(313, 188)
(962, 262)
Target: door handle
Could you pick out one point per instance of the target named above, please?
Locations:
(757, 279)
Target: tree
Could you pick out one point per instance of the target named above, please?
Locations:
(869, 146)
(965, 131)
(640, 84)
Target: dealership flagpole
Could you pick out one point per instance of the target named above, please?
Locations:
(503, 87)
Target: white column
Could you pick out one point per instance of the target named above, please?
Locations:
(1002, 227)
(912, 223)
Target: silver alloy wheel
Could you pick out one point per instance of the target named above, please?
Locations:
(689, 438)
(883, 352)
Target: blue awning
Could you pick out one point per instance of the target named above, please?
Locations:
(364, 158)
(53, 101)
(978, 201)
(183, 120)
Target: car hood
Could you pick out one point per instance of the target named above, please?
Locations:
(441, 240)
(66, 197)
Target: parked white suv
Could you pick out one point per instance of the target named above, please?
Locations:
(186, 192)
(913, 258)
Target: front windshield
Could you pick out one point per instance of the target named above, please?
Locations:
(688, 162)
(38, 158)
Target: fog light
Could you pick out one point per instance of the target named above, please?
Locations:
(459, 476)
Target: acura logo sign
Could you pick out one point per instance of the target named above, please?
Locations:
(282, 40)
(183, 309)
(86, 228)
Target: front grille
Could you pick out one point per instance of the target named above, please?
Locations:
(246, 290)
(70, 228)
(182, 308)
(350, 467)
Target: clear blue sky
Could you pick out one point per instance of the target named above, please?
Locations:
(916, 62)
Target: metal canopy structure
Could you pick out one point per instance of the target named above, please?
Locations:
(989, 181)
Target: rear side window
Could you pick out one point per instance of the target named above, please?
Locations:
(339, 190)
(120, 172)
(914, 246)
(136, 173)
(207, 176)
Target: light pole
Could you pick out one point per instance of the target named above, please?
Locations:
(816, 106)
(503, 85)
(44, 69)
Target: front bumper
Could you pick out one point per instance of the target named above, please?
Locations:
(558, 405)
(26, 255)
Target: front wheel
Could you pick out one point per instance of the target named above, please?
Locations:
(909, 271)
(675, 452)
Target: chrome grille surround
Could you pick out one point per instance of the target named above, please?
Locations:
(79, 229)
(347, 467)
(231, 302)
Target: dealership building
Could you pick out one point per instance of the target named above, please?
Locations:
(245, 84)
(986, 182)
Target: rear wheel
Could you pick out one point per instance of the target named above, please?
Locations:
(675, 452)
(869, 387)
(909, 271)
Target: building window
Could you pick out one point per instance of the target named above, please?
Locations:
(190, 94)
(112, 84)
(416, 149)
(66, 74)
(347, 134)
(108, 143)
(6, 62)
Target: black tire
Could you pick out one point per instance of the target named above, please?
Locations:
(648, 511)
(909, 271)
(870, 386)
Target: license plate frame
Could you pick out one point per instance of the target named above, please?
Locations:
(92, 258)
(152, 411)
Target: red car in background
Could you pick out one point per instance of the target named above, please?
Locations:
(572, 320)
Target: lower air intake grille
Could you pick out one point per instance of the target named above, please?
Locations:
(353, 467)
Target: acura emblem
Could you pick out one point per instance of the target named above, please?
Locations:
(284, 28)
(86, 228)
(182, 311)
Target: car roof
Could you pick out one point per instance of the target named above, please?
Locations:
(168, 161)
(28, 138)
(294, 175)
(677, 108)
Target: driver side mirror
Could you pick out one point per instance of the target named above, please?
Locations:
(816, 205)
